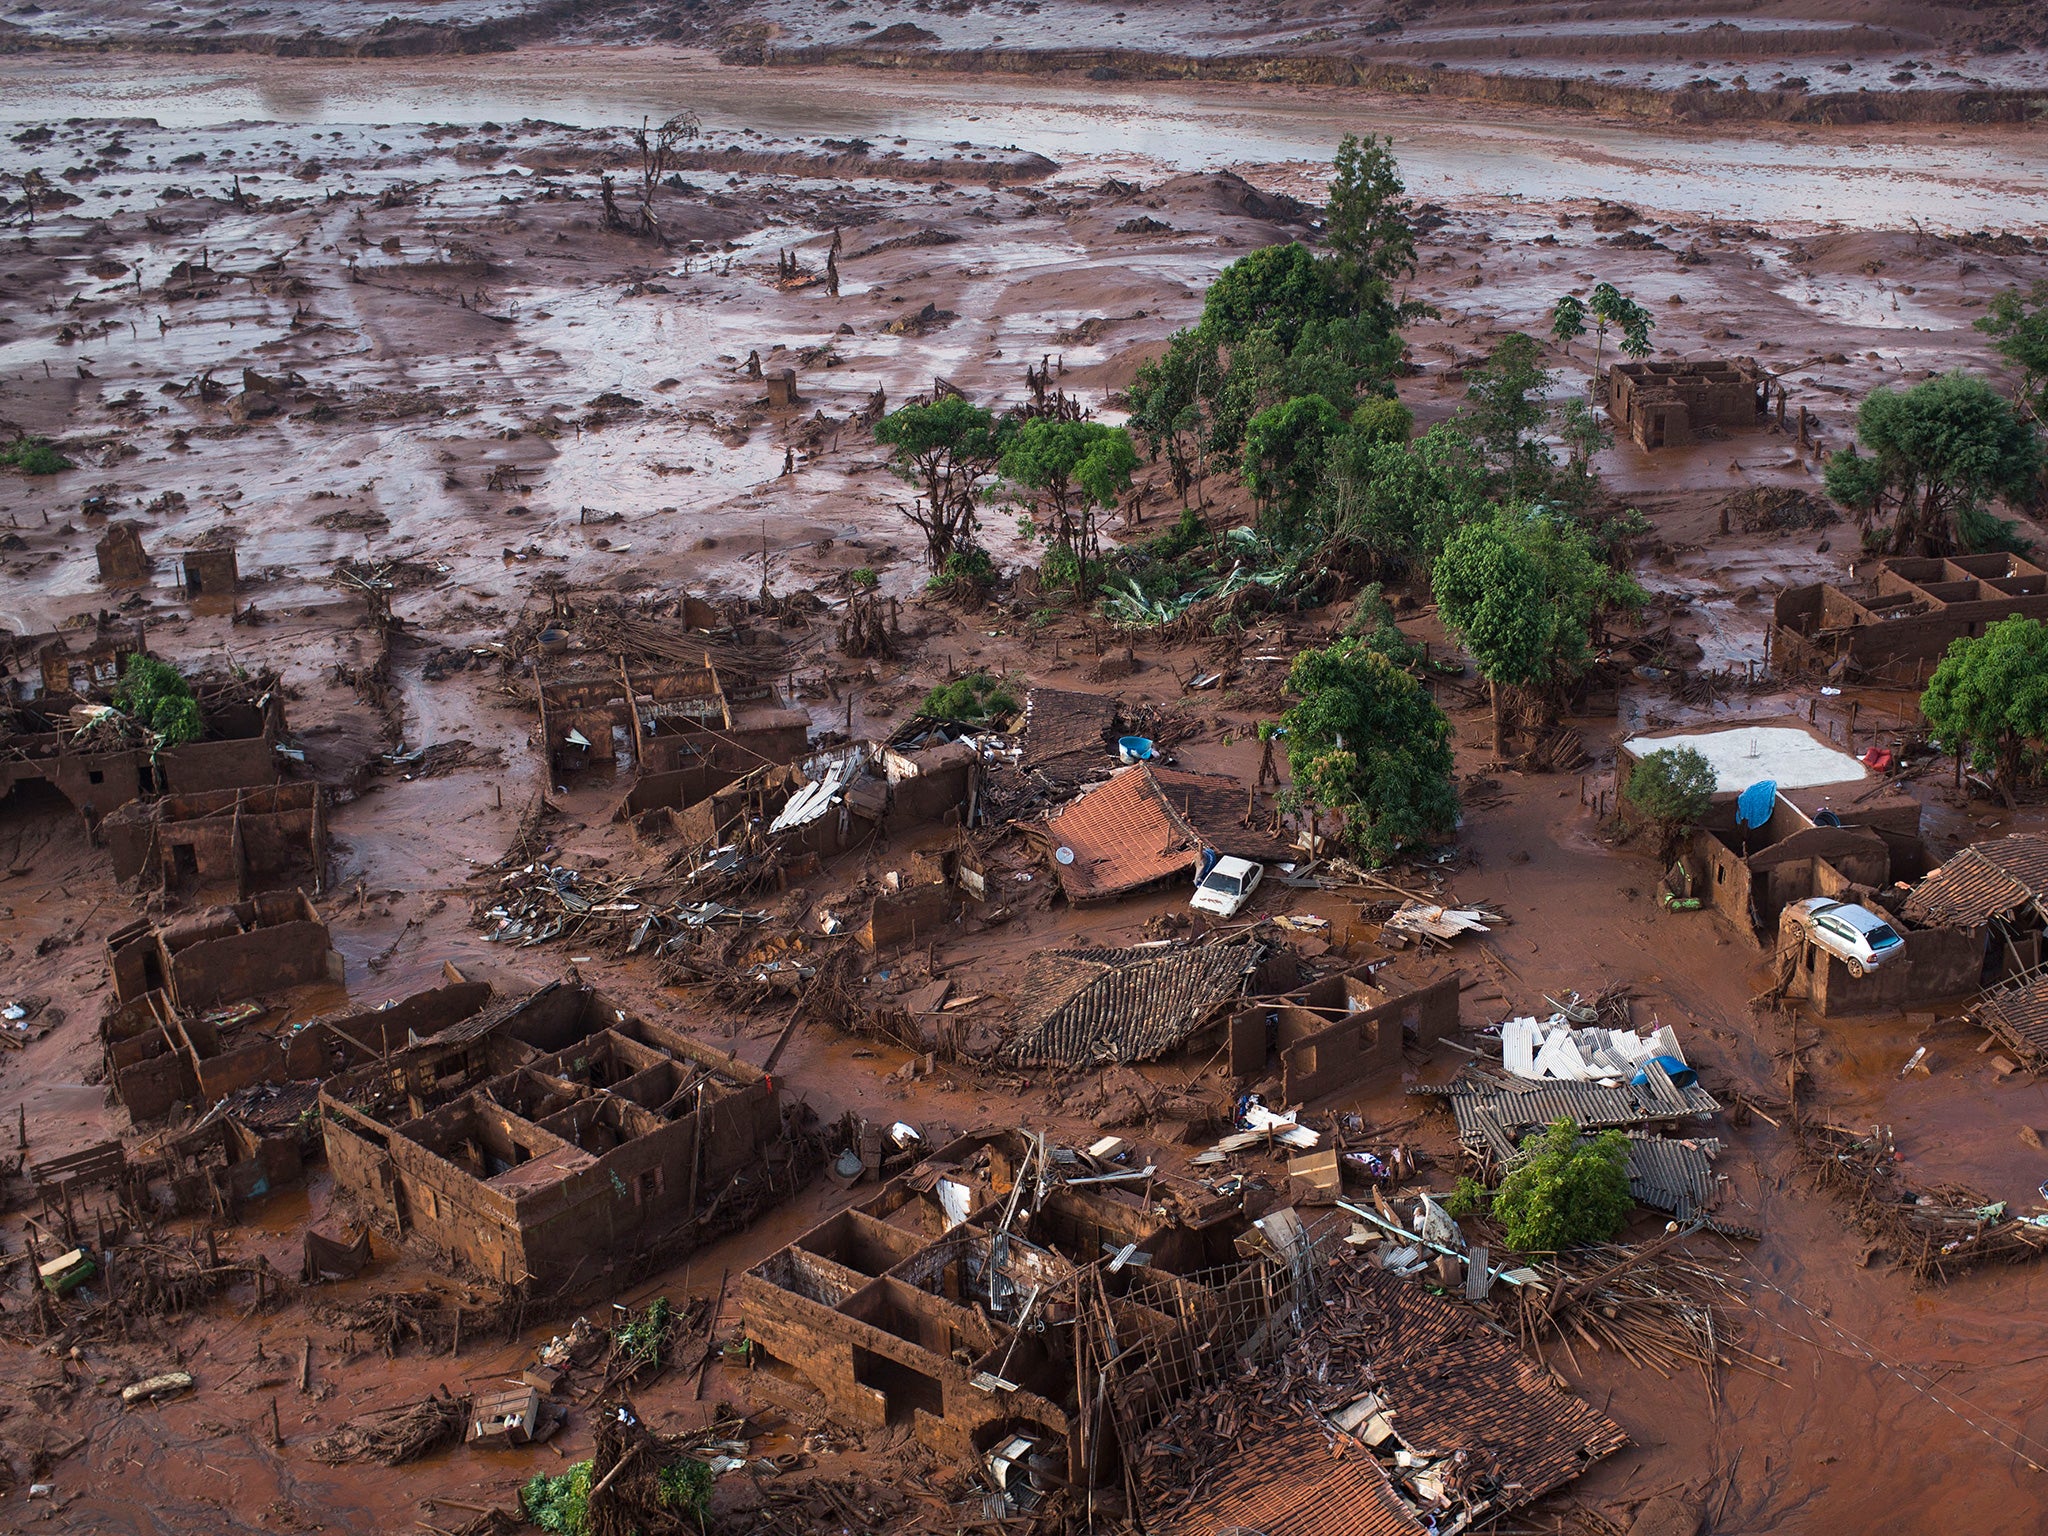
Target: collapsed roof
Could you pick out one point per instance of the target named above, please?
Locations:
(1988, 880)
(1088, 1007)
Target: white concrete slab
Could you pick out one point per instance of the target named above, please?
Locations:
(1743, 754)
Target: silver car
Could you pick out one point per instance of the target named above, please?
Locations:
(1858, 936)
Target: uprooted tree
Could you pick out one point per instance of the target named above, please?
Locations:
(945, 449)
(1939, 454)
(1989, 698)
(1366, 743)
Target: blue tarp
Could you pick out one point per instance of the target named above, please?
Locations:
(1753, 809)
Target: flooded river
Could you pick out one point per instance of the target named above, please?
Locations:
(1859, 178)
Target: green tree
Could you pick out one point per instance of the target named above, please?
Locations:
(1166, 407)
(2020, 322)
(1939, 453)
(1506, 406)
(157, 698)
(1989, 697)
(1369, 226)
(1075, 467)
(1565, 1191)
(1568, 321)
(1365, 742)
(1401, 501)
(1522, 591)
(1282, 286)
(1379, 419)
(945, 449)
(1673, 786)
(1284, 449)
(1611, 308)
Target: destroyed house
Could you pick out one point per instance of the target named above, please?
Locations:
(1148, 824)
(37, 666)
(1897, 627)
(1091, 1007)
(973, 1300)
(1830, 828)
(614, 719)
(65, 741)
(225, 953)
(159, 1056)
(1667, 405)
(551, 1143)
(1341, 1034)
(245, 839)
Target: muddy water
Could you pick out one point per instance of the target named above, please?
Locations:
(1858, 178)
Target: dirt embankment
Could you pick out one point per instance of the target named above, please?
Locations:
(1578, 94)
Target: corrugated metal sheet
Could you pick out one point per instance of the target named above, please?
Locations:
(1489, 1118)
(1672, 1175)
(1087, 1007)
(1289, 1483)
(1984, 881)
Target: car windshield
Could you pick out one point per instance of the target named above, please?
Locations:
(1227, 884)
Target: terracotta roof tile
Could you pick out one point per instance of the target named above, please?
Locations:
(1058, 725)
(1088, 1006)
(1290, 1483)
(1984, 881)
(1123, 836)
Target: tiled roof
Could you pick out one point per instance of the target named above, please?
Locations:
(2016, 1012)
(1060, 725)
(1213, 806)
(1123, 836)
(1455, 1386)
(1984, 881)
(1084, 1007)
(1291, 1483)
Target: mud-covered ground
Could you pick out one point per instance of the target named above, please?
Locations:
(493, 387)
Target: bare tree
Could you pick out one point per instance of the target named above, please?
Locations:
(658, 146)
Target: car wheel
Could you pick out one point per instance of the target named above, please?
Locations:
(1856, 968)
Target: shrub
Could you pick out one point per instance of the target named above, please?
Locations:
(686, 1486)
(559, 1504)
(863, 577)
(964, 568)
(1567, 1192)
(34, 456)
(154, 696)
(1469, 1198)
(976, 697)
(1672, 786)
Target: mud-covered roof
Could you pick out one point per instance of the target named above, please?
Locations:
(1066, 731)
(1984, 881)
(1083, 1007)
(1291, 1483)
(1123, 836)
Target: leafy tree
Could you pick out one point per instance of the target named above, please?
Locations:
(1282, 286)
(158, 699)
(975, 697)
(1611, 308)
(1566, 1192)
(1506, 406)
(1075, 467)
(1522, 591)
(1989, 696)
(1403, 500)
(1673, 786)
(1568, 321)
(1166, 406)
(1379, 419)
(1284, 449)
(1369, 225)
(1938, 453)
(944, 448)
(1365, 741)
(2020, 322)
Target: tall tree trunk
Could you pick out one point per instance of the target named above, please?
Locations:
(1500, 719)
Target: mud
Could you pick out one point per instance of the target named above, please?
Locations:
(489, 375)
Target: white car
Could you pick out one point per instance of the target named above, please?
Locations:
(1227, 887)
(1862, 939)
